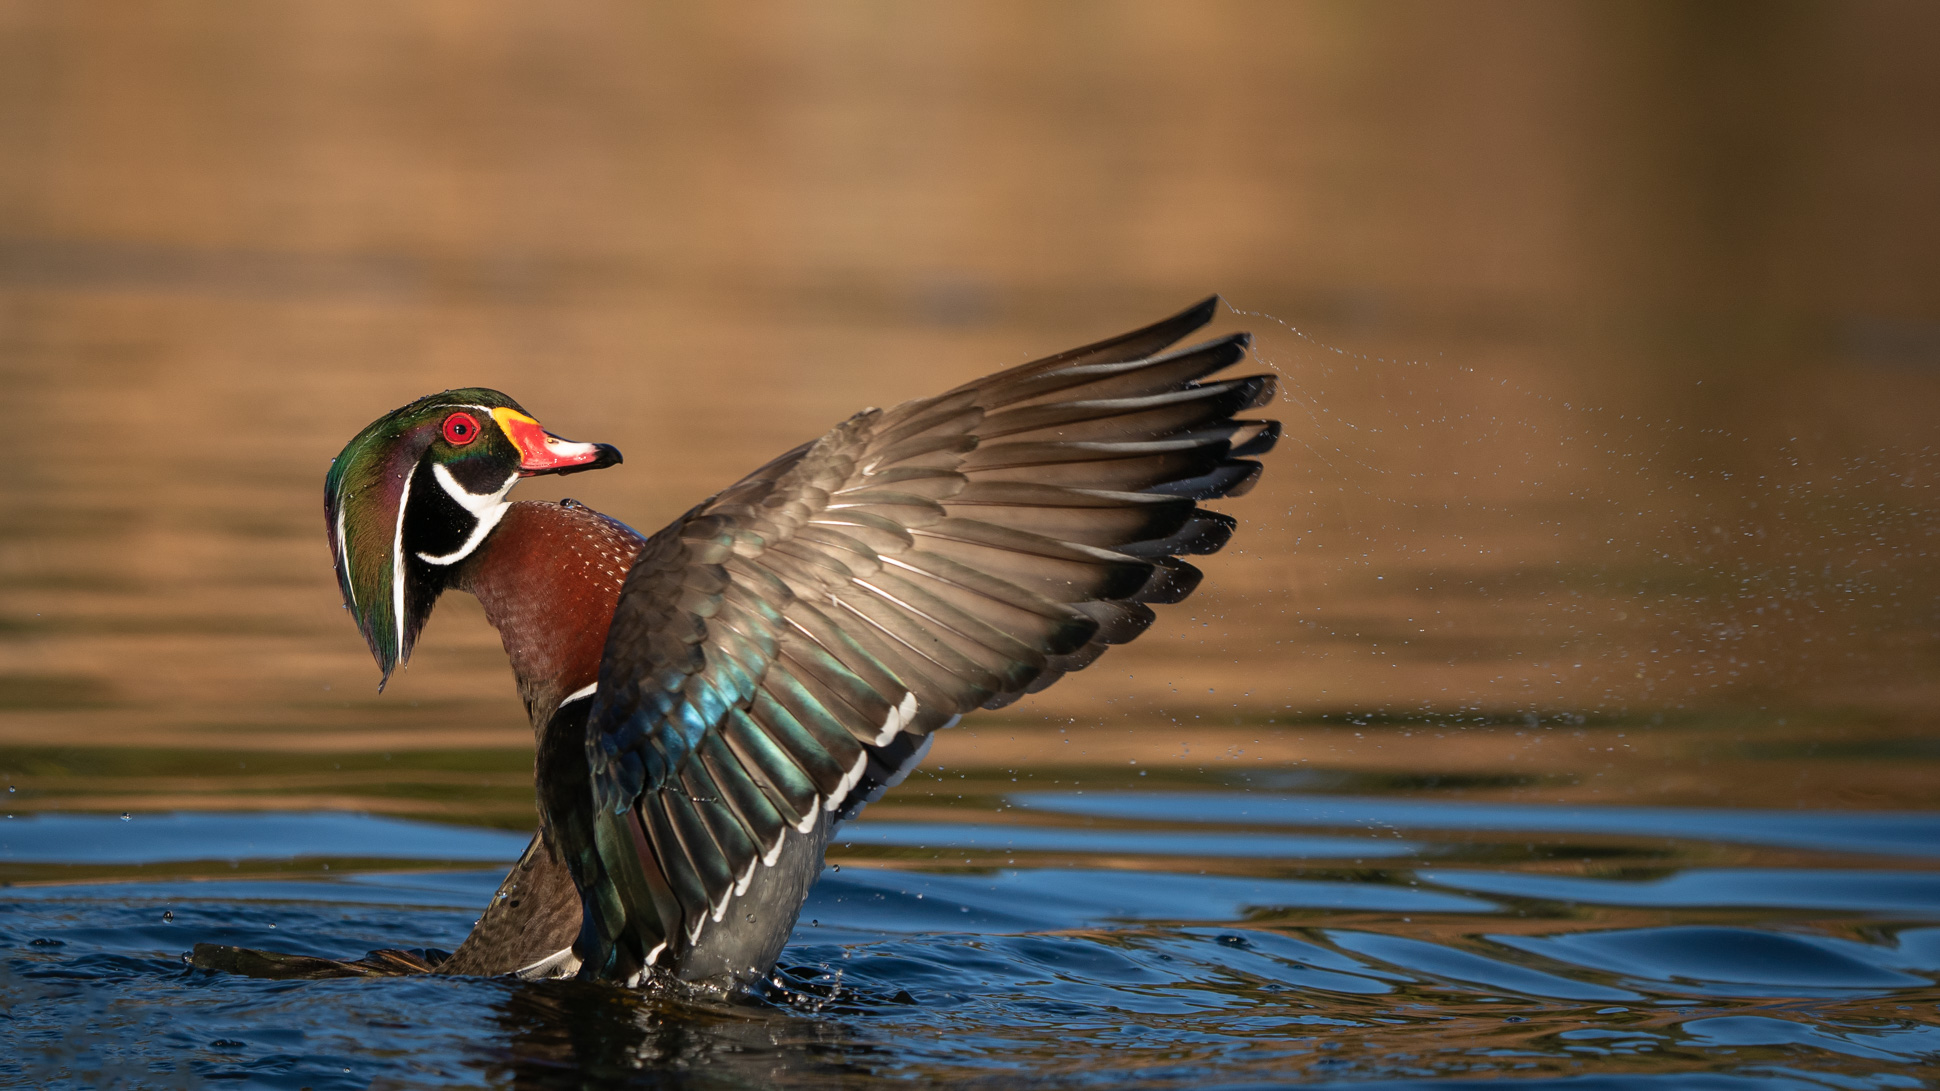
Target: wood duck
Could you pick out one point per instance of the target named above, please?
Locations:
(709, 702)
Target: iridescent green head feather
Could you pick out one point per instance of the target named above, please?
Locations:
(418, 491)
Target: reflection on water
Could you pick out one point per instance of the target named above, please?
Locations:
(1007, 944)
(1908, 834)
(1564, 708)
(1321, 908)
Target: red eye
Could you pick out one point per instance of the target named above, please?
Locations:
(460, 429)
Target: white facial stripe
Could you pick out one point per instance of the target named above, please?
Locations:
(397, 561)
(343, 558)
(584, 691)
(488, 509)
(476, 503)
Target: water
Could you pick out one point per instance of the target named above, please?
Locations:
(1209, 928)
(1564, 710)
(1085, 936)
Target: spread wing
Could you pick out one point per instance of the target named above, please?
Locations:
(786, 646)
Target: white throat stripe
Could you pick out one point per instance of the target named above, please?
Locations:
(487, 509)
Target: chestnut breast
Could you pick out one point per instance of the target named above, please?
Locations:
(549, 578)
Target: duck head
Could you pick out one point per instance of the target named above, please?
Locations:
(420, 490)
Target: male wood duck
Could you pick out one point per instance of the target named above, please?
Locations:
(709, 702)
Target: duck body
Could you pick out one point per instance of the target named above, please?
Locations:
(549, 578)
(709, 702)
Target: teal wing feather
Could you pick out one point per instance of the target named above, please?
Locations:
(868, 588)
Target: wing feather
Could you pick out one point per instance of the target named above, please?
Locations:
(781, 652)
(855, 705)
(741, 789)
(846, 649)
(703, 854)
(723, 822)
(952, 666)
(1122, 379)
(1106, 419)
(675, 860)
(823, 756)
(789, 787)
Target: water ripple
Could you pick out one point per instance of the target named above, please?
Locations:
(1113, 959)
(1895, 833)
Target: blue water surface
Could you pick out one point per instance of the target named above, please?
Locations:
(1174, 949)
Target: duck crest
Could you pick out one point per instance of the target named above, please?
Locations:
(419, 491)
(366, 505)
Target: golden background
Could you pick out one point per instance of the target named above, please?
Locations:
(1610, 338)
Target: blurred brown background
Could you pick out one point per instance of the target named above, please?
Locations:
(1610, 333)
